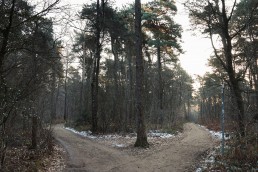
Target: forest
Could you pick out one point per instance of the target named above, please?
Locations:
(121, 73)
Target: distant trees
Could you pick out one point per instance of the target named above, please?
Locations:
(209, 95)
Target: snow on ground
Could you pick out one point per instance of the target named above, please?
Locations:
(87, 134)
(209, 159)
(119, 145)
(157, 133)
(216, 134)
(122, 141)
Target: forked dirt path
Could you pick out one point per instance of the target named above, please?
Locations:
(87, 155)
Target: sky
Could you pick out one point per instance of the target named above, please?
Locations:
(197, 49)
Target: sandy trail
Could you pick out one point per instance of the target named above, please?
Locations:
(87, 155)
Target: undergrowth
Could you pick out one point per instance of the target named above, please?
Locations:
(240, 151)
(19, 157)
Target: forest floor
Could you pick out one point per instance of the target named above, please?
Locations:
(179, 153)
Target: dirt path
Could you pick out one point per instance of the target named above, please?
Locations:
(87, 155)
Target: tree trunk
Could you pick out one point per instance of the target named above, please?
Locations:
(34, 132)
(95, 77)
(116, 101)
(65, 88)
(130, 113)
(3, 146)
(255, 78)
(141, 140)
(82, 92)
(93, 99)
(57, 97)
(160, 79)
(53, 97)
(160, 87)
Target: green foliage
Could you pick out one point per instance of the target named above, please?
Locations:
(164, 32)
(149, 16)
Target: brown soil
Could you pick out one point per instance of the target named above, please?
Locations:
(179, 154)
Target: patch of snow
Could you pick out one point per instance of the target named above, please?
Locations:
(157, 133)
(216, 134)
(109, 136)
(210, 160)
(198, 170)
(87, 134)
(119, 140)
(119, 145)
(202, 126)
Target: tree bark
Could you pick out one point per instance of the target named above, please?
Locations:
(130, 111)
(160, 91)
(34, 132)
(254, 71)
(141, 140)
(3, 146)
(160, 79)
(116, 104)
(53, 96)
(65, 87)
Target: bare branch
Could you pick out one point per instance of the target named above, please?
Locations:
(232, 10)
(41, 13)
(215, 50)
